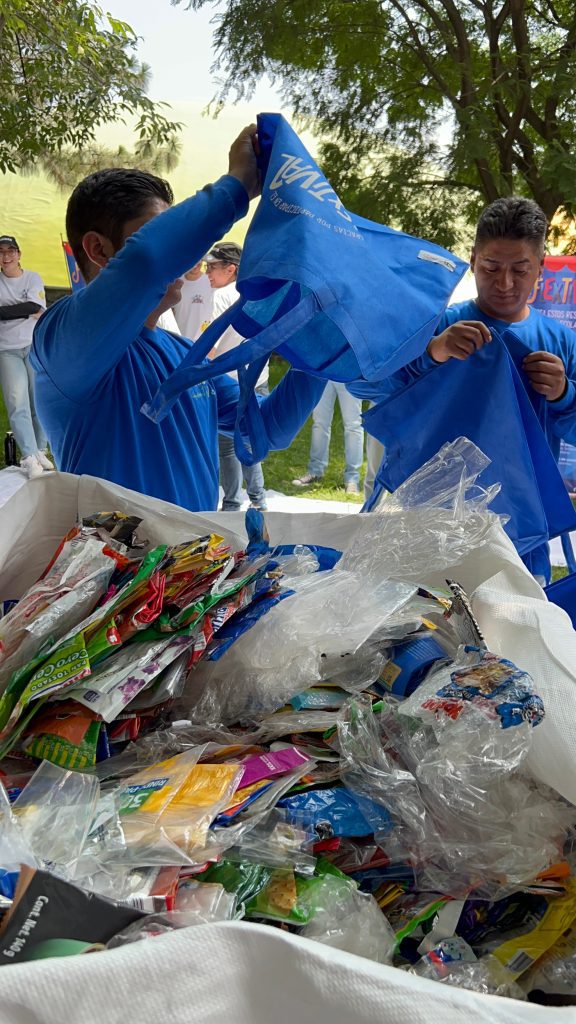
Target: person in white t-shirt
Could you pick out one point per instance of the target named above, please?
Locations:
(194, 310)
(22, 301)
(222, 264)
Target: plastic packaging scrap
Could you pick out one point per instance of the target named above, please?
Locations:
(315, 740)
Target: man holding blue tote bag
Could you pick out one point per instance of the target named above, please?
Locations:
(498, 372)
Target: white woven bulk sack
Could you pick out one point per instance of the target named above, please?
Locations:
(237, 973)
(251, 974)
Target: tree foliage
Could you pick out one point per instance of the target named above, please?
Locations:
(65, 69)
(385, 80)
(66, 168)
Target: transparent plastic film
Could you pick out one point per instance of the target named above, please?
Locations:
(329, 616)
(276, 842)
(347, 919)
(55, 812)
(207, 909)
(430, 523)
(55, 604)
(171, 805)
(461, 829)
(447, 964)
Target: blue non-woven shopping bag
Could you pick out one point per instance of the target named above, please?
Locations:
(482, 398)
(334, 294)
(563, 593)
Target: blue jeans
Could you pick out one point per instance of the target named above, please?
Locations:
(374, 456)
(17, 382)
(232, 473)
(351, 409)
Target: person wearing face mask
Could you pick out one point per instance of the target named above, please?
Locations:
(22, 301)
(99, 354)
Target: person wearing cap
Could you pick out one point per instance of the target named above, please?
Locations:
(99, 355)
(222, 264)
(22, 301)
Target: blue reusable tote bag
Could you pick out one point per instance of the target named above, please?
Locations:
(481, 398)
(336, 295)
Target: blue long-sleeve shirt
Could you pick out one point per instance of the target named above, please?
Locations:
(536, 333)
(96, 364)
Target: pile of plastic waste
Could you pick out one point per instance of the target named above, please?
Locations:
(292, 735)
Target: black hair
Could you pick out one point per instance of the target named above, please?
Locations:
(513, 217)
(106, 200)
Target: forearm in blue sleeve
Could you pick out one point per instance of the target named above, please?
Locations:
(377, 390)
(562, 415)
(284, 411)
(96, 325)
(289, 405)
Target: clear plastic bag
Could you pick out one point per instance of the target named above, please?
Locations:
(55, 812)
(153, 925)
(14, 851)
(166, 810)
(556, 977)
(486, 975)
(276, 842)
(330, 615)
(140, 887)
(301, 562)
(460, 830)
(350, 920)
(221, 838)
(208, 901)
(55, 604)
(430, 523)
(159, 815)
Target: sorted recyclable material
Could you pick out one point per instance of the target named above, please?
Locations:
(314, 740)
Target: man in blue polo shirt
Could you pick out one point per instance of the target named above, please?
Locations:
(99, 355)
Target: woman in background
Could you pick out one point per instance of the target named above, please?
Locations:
(22, 301)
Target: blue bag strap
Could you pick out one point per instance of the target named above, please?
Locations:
(249, 420)
(193, 370)
(568, 552)
(212, 333)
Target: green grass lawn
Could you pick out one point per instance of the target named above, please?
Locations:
(281, 468)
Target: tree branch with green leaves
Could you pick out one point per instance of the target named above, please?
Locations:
(474, 92)
(66, 68)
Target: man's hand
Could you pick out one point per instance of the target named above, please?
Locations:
(546, 374)
(459, 341)
(242, 161)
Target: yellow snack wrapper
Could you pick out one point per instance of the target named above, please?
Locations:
(175, 801)
(519, 954)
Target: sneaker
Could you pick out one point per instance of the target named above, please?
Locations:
(351, 488)
(259, 508)
(306, 480)
(31, 466)
(44, 461)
